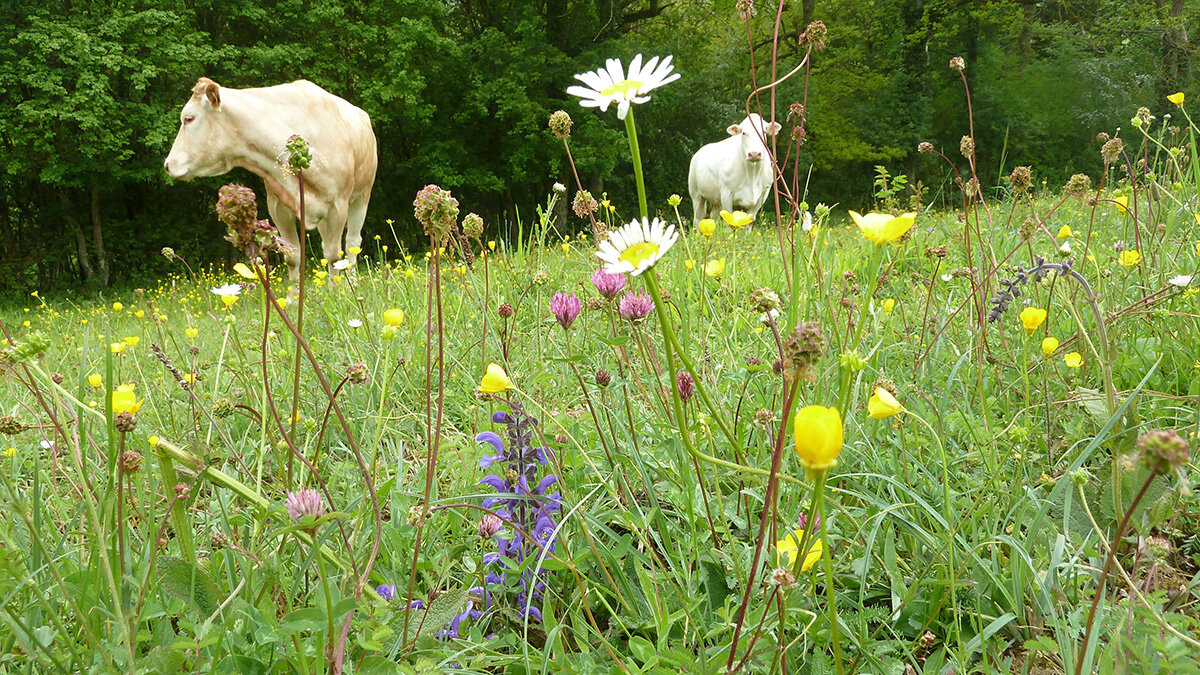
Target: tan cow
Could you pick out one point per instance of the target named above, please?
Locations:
(222, 128)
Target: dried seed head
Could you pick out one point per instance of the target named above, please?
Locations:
(1111, 150)
(1163, 450)
(958, 63)
(437, 211)
(1021, 178)
(603, 378)
(1079, 186)
(11, 426)
(130, 462)
(472, 226)
(804, 346)
(560, 124)
(763, 300)
(584, 204)
(125, 422)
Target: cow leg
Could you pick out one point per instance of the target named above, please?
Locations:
(331, 228)
(285, 221)
(354, 224)
(727, 200)
(699, 212)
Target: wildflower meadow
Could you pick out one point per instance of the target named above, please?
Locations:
(893, 437)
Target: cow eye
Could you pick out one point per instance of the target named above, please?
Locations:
(188, 119)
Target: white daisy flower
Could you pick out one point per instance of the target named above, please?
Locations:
(341, 264)
(228, 290)
(1181, 280)
(635, 247)
(611, 85)
(947, 277)
(354, 323)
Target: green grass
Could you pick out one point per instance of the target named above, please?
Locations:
(967, 533)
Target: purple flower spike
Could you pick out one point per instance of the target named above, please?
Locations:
(607, 284)
(636, 306)
(565, 308)
(386, 592)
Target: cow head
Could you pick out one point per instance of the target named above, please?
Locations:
(752, 132)
(204, 135)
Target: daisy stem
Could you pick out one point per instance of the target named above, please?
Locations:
(631, 131)
(671, 347)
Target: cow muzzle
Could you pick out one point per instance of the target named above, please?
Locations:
(754, 156)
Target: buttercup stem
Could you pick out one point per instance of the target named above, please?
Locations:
(827, 563)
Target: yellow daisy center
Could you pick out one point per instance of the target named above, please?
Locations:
(624, 87)
(636, 254)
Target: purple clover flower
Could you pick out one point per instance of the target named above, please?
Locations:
(608, 285)
(636, 306)
(565, 308)
(304, 503)
(524, 499)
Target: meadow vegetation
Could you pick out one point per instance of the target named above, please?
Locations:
(894, 442)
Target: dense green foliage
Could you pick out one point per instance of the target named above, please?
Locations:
(460, 92)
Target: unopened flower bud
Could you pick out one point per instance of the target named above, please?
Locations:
(560, 124)
(1163, 450)
(489, 525)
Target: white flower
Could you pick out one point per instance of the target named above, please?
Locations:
(767, 316)
(611, 85)
(560, 188)
(354, 323)
(1181, 280)
(46, 445)
(635, 247)
(947, 277)
(341, 264)
(1065, 249)
(806, 222)
(228, 290)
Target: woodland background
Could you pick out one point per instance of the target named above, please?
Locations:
(459, 93)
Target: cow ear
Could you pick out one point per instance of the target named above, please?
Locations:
(206, 88)
(734, 130)
(773, 128)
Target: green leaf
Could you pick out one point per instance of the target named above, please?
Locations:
(443, 608)
(185, 581)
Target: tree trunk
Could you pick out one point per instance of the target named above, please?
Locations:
(1175, 39)
(98, 241)
(81, 245)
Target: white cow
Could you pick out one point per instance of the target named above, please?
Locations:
(222, 128)
(736, 173)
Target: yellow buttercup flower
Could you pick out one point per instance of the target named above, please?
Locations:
(818, 436)
(125, 401)
(707, 227)
(139, 314)
(1122, 203)
(132, 340)
(787, 551)
(1073, 360)
(1064, 232)
(883, 228)
(153, 441)
(1032, 318)
(1176, 98)
(889, 304)
(95, 380)
(393, 317)
(117, 347)
(1049, 345)
(243, 270)
(118, 307)
(492, 244)
(689, 263)
(495, 380)
(883, 405)
(715, 268)
(354, 250)
(737, 219)
(1130, 258)
(191, 333)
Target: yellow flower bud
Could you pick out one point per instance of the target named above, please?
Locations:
(882, 404)
(393, 317)
(818, 436)
(1049, 345)
(95, 380)
(707, 227)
